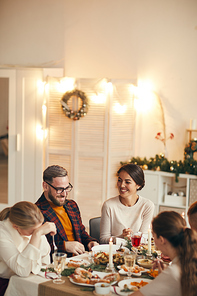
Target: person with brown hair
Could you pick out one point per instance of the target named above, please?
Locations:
(71, 236)
(192, 215)
(178, 242)
(23, 245)
(128, 211)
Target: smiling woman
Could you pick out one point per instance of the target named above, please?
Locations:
(128, 211)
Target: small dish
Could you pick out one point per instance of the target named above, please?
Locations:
(146, 263)
(102, 288)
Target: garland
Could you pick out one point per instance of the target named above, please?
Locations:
(160, 163)
(75, 115)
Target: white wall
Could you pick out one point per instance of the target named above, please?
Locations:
(151, 40)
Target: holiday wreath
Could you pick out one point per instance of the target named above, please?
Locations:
(76, 115)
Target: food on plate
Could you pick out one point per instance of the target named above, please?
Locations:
(83, 272)
(84, 276)
(98, 280)
(135, 269)
(79, 279)
(139, 284)
(129, 289)
(153, 273)
(103, 258)
(76, 263)
(120, 250)
(112, 277)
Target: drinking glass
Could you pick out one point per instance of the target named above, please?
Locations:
(59, 260)
(129, 261)
(136, 239)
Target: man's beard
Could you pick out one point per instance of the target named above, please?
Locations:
(54, 200)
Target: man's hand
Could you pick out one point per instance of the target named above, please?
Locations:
(92, 244)
(74, 247)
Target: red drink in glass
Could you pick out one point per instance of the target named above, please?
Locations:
(135, 239)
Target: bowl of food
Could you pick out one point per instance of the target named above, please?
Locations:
(146, 263)
(102, 288)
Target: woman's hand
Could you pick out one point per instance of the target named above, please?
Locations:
(159, 264)
(43, 229)
(126, 232)
(47, 227)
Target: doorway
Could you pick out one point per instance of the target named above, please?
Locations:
(4, 98)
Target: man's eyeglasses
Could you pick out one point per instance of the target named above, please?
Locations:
(60, 190)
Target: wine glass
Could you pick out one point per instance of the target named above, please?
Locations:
(136, 239)
(59, 260)
(129, 261)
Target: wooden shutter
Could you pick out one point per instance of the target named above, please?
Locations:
(91, 148)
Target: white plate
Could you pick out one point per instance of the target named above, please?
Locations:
(80, 284)
(105, 248)
(127, 282)
(99, 273)
(117, 290)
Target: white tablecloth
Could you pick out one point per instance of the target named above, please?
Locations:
(20, 286)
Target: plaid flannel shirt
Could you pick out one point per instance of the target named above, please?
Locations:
(74, 215)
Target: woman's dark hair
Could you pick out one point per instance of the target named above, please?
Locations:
(135, 172)
(172, 226)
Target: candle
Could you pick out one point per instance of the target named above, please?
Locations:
(183, 215)
(110, 253)
(192, 124)
(149, 241)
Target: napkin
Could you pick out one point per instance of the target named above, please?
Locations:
(46, 273)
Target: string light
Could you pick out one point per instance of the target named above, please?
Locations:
(66, 84)
(119, 108)
(99, 98)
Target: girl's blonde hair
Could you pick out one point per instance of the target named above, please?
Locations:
(24, 214)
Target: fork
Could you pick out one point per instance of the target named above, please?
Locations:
(54, 245)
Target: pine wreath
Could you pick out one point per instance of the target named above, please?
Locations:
(81, 112)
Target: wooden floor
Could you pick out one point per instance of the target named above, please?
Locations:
(3, 178)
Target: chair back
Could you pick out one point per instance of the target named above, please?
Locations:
(94, 227)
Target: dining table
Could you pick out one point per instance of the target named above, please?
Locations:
(39, 285)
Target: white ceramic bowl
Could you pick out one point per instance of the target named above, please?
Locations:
(102, 288)
(146, 263)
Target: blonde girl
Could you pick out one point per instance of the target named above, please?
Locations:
(23, 245)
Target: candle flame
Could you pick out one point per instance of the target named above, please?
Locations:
(183, 215)
(110, 239)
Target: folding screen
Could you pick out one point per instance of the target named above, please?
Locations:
(92, 147)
